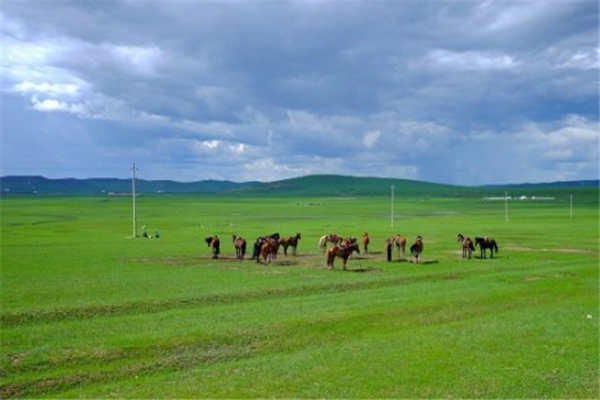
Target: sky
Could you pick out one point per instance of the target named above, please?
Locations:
(469, 93)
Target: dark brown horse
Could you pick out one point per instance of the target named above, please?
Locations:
(388, 246)
(269, 249)
(467, 245)
(417, 248)
(366, 241)
(400, 242)
(292, 242)
(342, 251)
(214, 243)
(485, 243)
(240, 247)
(259, 243)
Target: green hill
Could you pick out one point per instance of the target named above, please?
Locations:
(312, 185)
(336, 185)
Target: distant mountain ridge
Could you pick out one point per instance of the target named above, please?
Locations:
(311, 185)
(106, 186)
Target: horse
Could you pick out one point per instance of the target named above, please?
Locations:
(341, 251)
(333, 238)
(259, 243)
(467, 245)
(240, 247)
(269, 249)
(292, 242)
(256, 247)
(486, 243)
(215, 244)
(417, 248)
(400, 242)
(366, 241)
(348, 241)
(388, 246)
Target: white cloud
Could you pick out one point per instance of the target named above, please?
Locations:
(371, 138)
(51, 105)
(582, 59)
(140, 59)
(52, 89)
(470, 60)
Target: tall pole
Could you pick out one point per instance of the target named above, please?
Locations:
(571, 207)
(392, 214)
(133, 195)
(505, 206)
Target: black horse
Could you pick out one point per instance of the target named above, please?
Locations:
(485, 243)
(389, 245)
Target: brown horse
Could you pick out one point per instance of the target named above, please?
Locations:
(341, 251)
(214, 243)
(388, 246)
(259, 243)
(348, 241)
(486, 243)
(417, 248)
(240, 247)
(366, 241)
(269, 249)
(331, 238)
(467, 246)
(292, 242)
(400, 242)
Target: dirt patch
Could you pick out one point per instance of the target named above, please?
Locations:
(570, 251)
(269, 272)
(534, 278)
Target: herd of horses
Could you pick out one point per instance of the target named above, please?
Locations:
(267, 247)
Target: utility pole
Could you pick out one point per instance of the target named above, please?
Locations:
(133, 195)
(392, 214)
(506, 207)
(571, 207)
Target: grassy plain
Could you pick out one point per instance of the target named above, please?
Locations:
(87, 312)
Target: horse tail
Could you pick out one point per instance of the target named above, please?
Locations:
(389, 252)
(413, 249)
(243, 248)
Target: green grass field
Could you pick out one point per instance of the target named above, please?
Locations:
(87, 312)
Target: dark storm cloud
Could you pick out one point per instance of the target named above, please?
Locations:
(196, 90)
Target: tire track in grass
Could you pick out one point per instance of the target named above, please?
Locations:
(34, 317)
(268, 340)
(131, 308)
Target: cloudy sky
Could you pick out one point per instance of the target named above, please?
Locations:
(464, 92)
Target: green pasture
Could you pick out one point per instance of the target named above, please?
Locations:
(89, 312)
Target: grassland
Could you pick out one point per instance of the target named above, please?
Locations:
(87, 312)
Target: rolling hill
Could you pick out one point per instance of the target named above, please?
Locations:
(312, 185)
